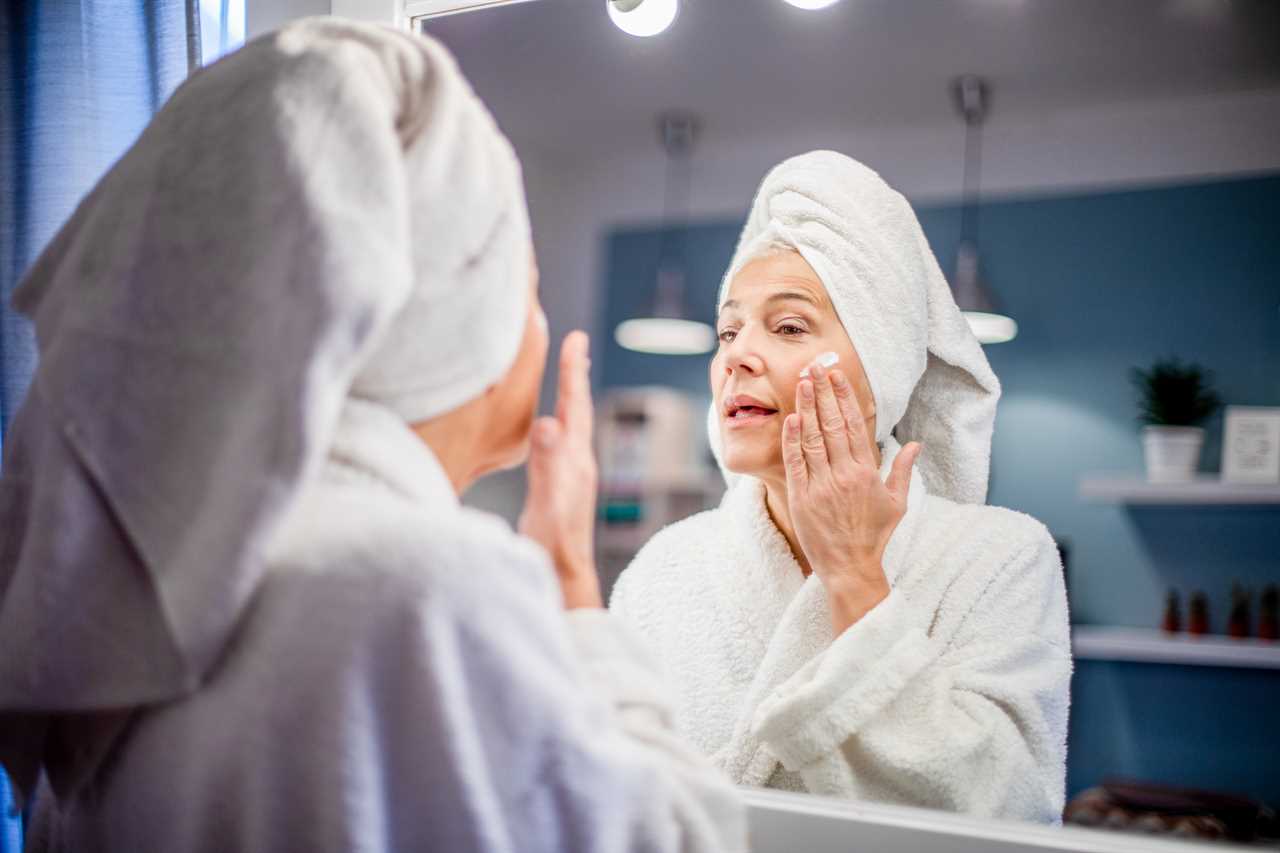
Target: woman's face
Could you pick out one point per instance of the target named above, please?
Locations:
(777, 319)
(516, 397)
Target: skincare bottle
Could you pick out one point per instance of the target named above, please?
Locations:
(1198, 615)
(1172, 622)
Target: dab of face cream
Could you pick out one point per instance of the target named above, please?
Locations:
(826, 359)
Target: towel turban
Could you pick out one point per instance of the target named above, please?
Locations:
(929, 377)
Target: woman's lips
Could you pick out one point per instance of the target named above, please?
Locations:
(749, 416)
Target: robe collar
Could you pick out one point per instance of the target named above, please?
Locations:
(370, 442)
(785, 615)
(373, 442)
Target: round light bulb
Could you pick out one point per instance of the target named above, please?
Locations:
(665, 336)
(648, 18)
(811, 4)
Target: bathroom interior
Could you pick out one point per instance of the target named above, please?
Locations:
(1100, 183)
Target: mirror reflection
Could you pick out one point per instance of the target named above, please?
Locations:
(935, 369)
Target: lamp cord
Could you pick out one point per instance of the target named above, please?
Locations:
(972, 179)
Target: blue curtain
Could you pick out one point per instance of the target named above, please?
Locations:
(79, 80)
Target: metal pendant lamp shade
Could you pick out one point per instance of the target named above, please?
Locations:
(669, 330)
(989, 323)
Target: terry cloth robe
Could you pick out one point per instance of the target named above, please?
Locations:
(951, 693)
(404, 680)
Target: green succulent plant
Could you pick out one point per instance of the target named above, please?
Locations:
(1174, 394)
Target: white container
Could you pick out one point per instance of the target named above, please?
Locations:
(1172, 453)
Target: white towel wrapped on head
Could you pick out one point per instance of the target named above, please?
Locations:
(928, 374)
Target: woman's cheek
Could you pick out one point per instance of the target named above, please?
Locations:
(787, 397)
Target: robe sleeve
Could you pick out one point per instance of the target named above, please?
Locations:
(558, 729)
(974, 725)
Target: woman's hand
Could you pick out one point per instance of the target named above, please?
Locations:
(560, 507)
(842, 512)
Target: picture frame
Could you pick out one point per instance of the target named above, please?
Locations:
(1251, 444)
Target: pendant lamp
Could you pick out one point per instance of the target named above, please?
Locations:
(990, 325)
(669, 330)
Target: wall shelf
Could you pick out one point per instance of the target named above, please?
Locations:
(1146, 645)
(1205, 489)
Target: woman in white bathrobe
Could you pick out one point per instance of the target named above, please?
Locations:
(852, 620)
(241, 608)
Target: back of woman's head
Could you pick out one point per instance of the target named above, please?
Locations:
(328, 211)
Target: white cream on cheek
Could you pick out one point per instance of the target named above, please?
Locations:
(827, 360)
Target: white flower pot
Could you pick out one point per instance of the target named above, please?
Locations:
(1172, 453)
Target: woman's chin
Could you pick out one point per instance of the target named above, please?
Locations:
(752, 461)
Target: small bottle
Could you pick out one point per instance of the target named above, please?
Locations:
(1198, 614)
(1238, 622)
(1172, 621)
(1267, 615)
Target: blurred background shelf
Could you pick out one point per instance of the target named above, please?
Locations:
(1146, 645)
(1205, 489)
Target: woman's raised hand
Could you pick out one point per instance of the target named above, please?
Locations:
(842, 512)
(560, 508)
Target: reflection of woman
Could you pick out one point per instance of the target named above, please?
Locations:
(240, 605)
(851, 620)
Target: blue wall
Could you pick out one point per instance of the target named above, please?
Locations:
(1098, 283)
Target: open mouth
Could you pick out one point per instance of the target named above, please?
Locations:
(747, 411)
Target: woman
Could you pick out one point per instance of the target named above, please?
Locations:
(851, 620)
(241, 606)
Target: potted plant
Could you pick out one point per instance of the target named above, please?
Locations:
(1174, 398)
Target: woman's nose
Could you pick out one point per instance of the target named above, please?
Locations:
(742, 354)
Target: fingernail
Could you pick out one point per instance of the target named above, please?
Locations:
(825, 359)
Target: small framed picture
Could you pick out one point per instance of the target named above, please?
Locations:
(1251, 444)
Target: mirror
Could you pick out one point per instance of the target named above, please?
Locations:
(1119, 206)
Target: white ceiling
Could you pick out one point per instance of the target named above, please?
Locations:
(559, 75)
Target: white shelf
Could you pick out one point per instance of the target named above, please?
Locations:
(1205, 489)
(1097, 642)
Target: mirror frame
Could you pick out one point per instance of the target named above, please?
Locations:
(784, 822)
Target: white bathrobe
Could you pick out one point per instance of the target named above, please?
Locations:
(951, 693)
(404, 679)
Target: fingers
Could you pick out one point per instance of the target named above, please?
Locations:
(573, 404)
(812, 445)
(543, 438)
(831, 419)
(793, 455)
(899, 480)
(855, 423)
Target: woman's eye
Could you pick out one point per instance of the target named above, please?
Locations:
(727, 336)
(790, 329)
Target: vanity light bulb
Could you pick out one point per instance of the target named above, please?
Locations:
(642, 17)
(811, 4)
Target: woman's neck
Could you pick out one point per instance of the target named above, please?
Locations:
(451, 438)
(775, 499)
